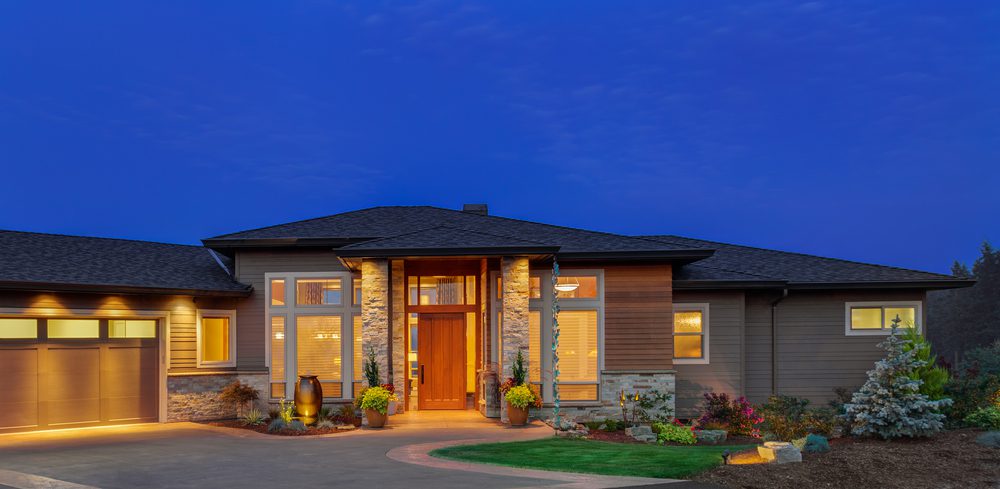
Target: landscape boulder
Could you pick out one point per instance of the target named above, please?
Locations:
(779, 452)
(710, 437)
(641, 433)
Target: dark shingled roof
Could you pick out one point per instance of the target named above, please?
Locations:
(445, 238)
(744, 263)
(399, 222)
(59, 262)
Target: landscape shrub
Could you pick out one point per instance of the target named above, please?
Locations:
(987, 418)
(238, 395)
(253, 417)
(377, 399)
(738, 415)
(787, 418)
(889, 404)
(521, 396)
(670, 432)
(933, 377)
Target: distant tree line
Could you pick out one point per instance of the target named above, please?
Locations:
(963, 319)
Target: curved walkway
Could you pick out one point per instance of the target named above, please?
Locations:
(183, 455)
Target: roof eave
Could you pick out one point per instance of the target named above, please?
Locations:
(119, 289)
(456, 251)
(675, 256)
(231, 243)
(887, 284)
(728, 284)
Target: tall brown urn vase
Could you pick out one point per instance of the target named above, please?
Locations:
(517, 416)
(308, 398)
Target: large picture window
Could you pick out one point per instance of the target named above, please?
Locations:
(690, 333)
(318, 350)
(875, 318)
(578, 355)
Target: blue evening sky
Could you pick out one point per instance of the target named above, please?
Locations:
(867, 131)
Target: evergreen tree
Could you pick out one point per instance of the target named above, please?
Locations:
(889, 404)
(961, 319)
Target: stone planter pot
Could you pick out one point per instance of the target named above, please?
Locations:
(308, 398)
(375, 418)
(393, 408)
(517, 416)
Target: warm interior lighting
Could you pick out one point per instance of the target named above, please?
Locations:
(569, 285)
(215, 339)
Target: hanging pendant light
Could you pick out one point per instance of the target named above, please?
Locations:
(569, 285)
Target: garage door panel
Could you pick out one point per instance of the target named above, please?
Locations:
(71, 385)
(129, 383)
(19, 385)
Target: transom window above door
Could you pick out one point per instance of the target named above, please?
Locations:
(441, 290)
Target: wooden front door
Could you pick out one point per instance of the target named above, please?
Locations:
(441, 361)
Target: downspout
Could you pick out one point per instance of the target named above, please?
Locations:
(774, 341)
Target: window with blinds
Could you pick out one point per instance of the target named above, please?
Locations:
(318, 350)
(277, 357)
(578, 355)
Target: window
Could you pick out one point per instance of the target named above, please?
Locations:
(690, 333)
(277, 357)
(440, 290)
(216, 338)
(18, 329)
(535, 287)
(535, 347)
(318, 351)
(278, 292)
(875, 318)
(318, 292)
(132, 328)
(74, 328)
(356, 284)
(359, 357)
(578, 356)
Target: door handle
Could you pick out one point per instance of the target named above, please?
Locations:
(421, 374)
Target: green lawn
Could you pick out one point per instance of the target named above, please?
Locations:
(595, 457)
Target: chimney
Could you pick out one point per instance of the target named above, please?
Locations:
(480, 209)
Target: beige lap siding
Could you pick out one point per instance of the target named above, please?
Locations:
(723, 372)
(251, 265)
(815, 356)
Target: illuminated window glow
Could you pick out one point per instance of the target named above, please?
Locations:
(132, 328)
(74, 328)
(876, 318)
(691, 333)
(316, 292)
(278, 292)
(215, 339)
(18, 328)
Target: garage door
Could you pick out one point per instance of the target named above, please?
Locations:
(75, 372)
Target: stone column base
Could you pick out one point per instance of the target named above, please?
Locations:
(612, 383)
(196, 397)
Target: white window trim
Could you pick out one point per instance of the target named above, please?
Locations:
(346, 310)
(227, 313)
(886, 330)
(703, 307)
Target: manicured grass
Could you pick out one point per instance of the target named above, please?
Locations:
(594, 457)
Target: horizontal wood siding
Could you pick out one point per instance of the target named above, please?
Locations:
(251, 265)
(815, 356)
(722, 373)
(638, 317)
(182, 309)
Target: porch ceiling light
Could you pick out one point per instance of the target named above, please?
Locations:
(568, 286)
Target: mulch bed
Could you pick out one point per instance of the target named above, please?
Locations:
(948, 460)
(621, 437)
(310, 431)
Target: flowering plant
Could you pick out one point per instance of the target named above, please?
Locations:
(389, 387)
(736, 415)
(377, 399)
(521, 396)
(507, 385)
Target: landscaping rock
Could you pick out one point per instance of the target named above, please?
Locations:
(812, 444)
(710, 437)
(779, 452)
(346, 427)
(989, 439)
(641, 433)
(571, 433)
(561, 424)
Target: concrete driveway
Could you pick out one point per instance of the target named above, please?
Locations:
(188, 455)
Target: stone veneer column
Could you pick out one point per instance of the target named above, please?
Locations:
(375, 312)
(399, 331)
(514, 325)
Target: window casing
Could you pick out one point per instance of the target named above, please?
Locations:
(691, 333)
(581, 343)
(315, 331)
(875, 318)
(216, 337)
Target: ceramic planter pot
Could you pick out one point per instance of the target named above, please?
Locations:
(517, 416)
(308, 397)
(375, 418)
(393, 408)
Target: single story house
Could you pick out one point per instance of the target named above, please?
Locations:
(101, 331)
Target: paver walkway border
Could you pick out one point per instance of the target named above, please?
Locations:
(419, 454)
